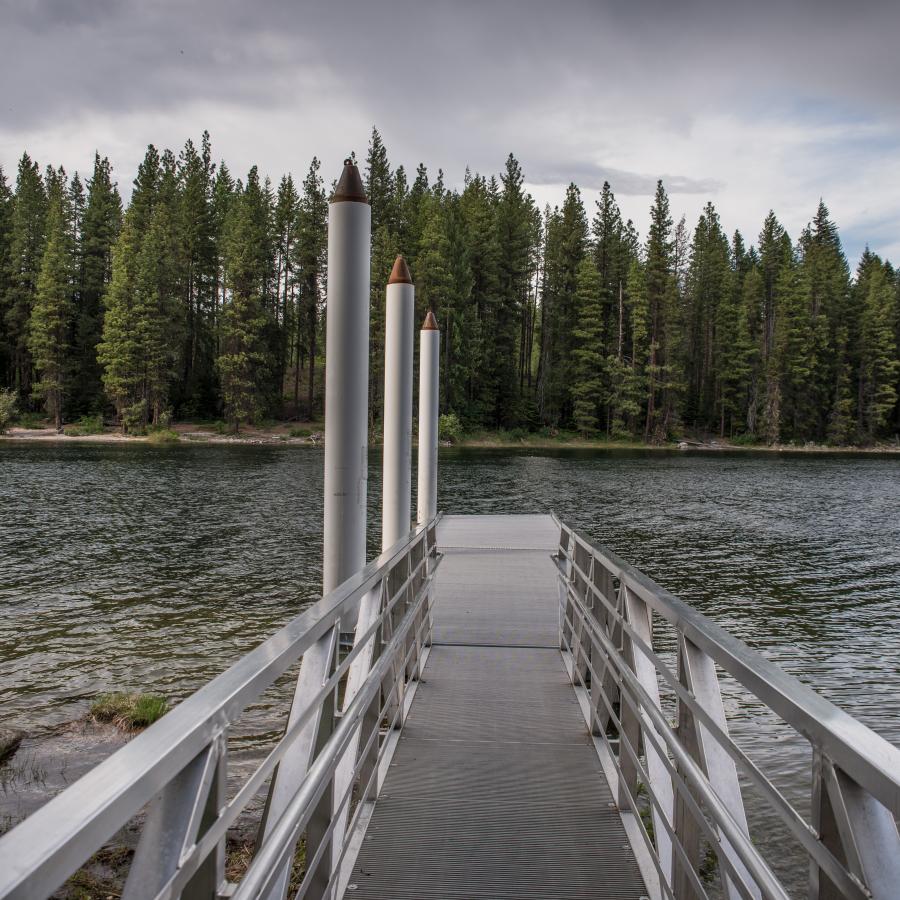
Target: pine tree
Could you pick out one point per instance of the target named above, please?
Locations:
(311, 263)
(243, 357)
(99, 228)
(752, 302)
(49, 331)
(828, 276)
(223, 196)
(26, 247)
(478, 210)
(285, 232)
(160, 317)
(432, 273)
(188, 194)
(380, 187)
(879, 365)
(566, 245)
(587, 385)
(713, 322)
(629, 377)
(6, 216)
(660, 289)
(119, 352)
(516, 237)
(776, 260)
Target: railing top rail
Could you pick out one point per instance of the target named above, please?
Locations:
(90, 811)
(868, 758)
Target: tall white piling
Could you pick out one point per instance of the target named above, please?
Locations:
(346, 381)
(398, 390)
(344, 552)
(429, 347)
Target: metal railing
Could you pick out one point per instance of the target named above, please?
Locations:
(637, 655)
(319, 779)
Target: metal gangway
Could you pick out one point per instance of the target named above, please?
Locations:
(526, 715)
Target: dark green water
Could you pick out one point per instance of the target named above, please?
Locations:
(153, 568)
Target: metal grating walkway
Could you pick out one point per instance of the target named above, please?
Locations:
(495, 790)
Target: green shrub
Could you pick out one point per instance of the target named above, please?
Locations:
(221, 427)
(134, 418)
(33, 420)
(8, 409)
(130, 711)
(162, 436)
(450, 428)
(84, 426)
(743, 440)
(300, 432)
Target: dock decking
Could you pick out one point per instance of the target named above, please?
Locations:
(495, 790)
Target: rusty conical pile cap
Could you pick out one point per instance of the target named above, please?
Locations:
(350, 186)
(400, 272)
(430, 322)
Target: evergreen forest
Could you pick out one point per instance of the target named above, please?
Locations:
(206, 299)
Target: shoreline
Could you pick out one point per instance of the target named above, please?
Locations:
(313, 436)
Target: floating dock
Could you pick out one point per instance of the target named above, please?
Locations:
(495, 789)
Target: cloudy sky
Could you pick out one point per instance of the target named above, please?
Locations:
(753, 105)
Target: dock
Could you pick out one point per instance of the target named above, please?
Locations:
(496, 789)
(520, 714)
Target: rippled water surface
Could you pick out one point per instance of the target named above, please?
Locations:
(152, 568)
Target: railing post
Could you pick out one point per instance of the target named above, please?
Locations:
(859, 830)
(697, 672)
(600, 674)
(429, 373)
(179, 815)
(565, 566)
(637, 614)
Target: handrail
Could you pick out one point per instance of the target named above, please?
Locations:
(872, 761)
(48, 846)
(607, 637)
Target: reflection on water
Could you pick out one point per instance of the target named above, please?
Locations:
(152, 568)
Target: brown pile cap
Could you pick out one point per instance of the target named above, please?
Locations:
(400, 272)
(430, 322)
(350, 186)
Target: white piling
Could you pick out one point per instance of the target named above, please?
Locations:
(396, 497)
(429, 347)
(346, 381)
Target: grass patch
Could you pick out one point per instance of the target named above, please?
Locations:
(103, 875)
(163, 436)
(239, 855)
(86, 425)
(129, 711)
(300, 432)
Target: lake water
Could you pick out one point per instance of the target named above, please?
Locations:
(152, 568)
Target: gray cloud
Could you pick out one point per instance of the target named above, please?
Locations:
(443, 57)
(589, 176)
(623, 90)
